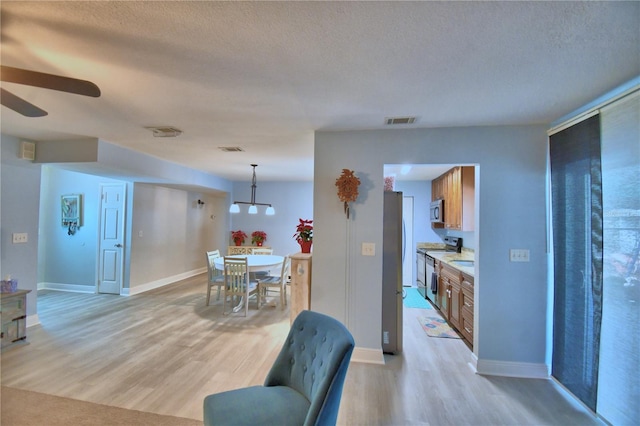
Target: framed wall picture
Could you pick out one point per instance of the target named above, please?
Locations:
(71, 207)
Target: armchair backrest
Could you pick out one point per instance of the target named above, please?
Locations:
(314, 361)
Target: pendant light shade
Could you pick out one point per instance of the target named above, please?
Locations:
(253, 206)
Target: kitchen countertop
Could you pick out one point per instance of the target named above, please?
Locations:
(448, 257)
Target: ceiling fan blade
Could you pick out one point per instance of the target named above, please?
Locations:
(19, 105)
(49, 81)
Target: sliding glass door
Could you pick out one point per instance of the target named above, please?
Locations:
(595, 190)
(577, 244)
(618, 382)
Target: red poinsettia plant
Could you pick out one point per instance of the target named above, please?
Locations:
(238, 236)
(257, 237)
(304, 231)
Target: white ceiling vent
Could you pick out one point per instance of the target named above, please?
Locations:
(399, 120)
(165, 132)
(230, 149)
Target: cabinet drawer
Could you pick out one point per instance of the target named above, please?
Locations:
(466, 325)
(467, 299)
(452, 274)
(467, 283)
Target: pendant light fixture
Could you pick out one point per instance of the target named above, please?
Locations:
(253, 209)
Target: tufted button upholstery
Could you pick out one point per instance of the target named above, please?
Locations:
(312, 364)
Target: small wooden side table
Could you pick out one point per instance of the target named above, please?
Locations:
(13, 312)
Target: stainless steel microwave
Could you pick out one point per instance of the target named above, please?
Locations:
(436, 211)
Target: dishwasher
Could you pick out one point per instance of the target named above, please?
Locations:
(429, 270)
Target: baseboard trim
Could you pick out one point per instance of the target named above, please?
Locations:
(161, 282)
(367, 356)
(32, 320)
(72, 288)
(512, 369)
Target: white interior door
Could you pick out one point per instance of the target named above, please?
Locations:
(407, 246)
(111, 239)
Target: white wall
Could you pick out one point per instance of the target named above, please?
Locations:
(19, 211)
(291, 201)
(170, 233)
(68, 261)
(510, 297)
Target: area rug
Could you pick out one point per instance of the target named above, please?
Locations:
(436, 326)
(413, 299)
(26, 408)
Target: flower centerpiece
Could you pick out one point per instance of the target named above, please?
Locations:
(238, 237)
(257, 237)
(304, 235)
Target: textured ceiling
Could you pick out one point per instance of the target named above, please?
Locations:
(265, 75)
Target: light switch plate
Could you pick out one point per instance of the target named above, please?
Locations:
(20, 238)
(519, 255)
(368, 249)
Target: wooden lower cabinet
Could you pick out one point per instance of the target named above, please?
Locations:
(466, 308)
(13, 311)
(300, 284)
(456, 300)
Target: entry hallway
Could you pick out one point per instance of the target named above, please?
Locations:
(163, 351)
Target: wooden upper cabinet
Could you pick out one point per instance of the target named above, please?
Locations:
(457, 188)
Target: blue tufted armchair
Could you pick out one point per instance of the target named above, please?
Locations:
(304, 384)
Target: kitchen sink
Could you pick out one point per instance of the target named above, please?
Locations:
(463, 262)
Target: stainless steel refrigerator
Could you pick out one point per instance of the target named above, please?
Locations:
(392, 245)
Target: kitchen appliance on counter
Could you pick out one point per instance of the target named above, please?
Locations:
(436, 211)
(426, 268)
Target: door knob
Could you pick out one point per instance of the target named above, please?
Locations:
(118, 245)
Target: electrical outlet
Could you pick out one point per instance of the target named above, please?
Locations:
(368, 249)
(20, 238)
(519, 255)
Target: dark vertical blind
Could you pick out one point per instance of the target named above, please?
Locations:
(576, 191)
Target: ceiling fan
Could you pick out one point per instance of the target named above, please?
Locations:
(40, 79)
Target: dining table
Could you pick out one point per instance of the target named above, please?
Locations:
(255, 263)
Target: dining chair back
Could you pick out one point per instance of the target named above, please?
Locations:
(304, 385)
(279, 283)
(237, 283)
(260, 250)
(215, 277)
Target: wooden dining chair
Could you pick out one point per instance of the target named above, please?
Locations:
(260, 250)
(215, 277)
(270, 283)
(237, 283)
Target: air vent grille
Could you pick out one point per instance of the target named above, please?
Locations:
(165, 132)
(230, 149)
(400, 120)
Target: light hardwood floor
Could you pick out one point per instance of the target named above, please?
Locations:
(163, 351)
